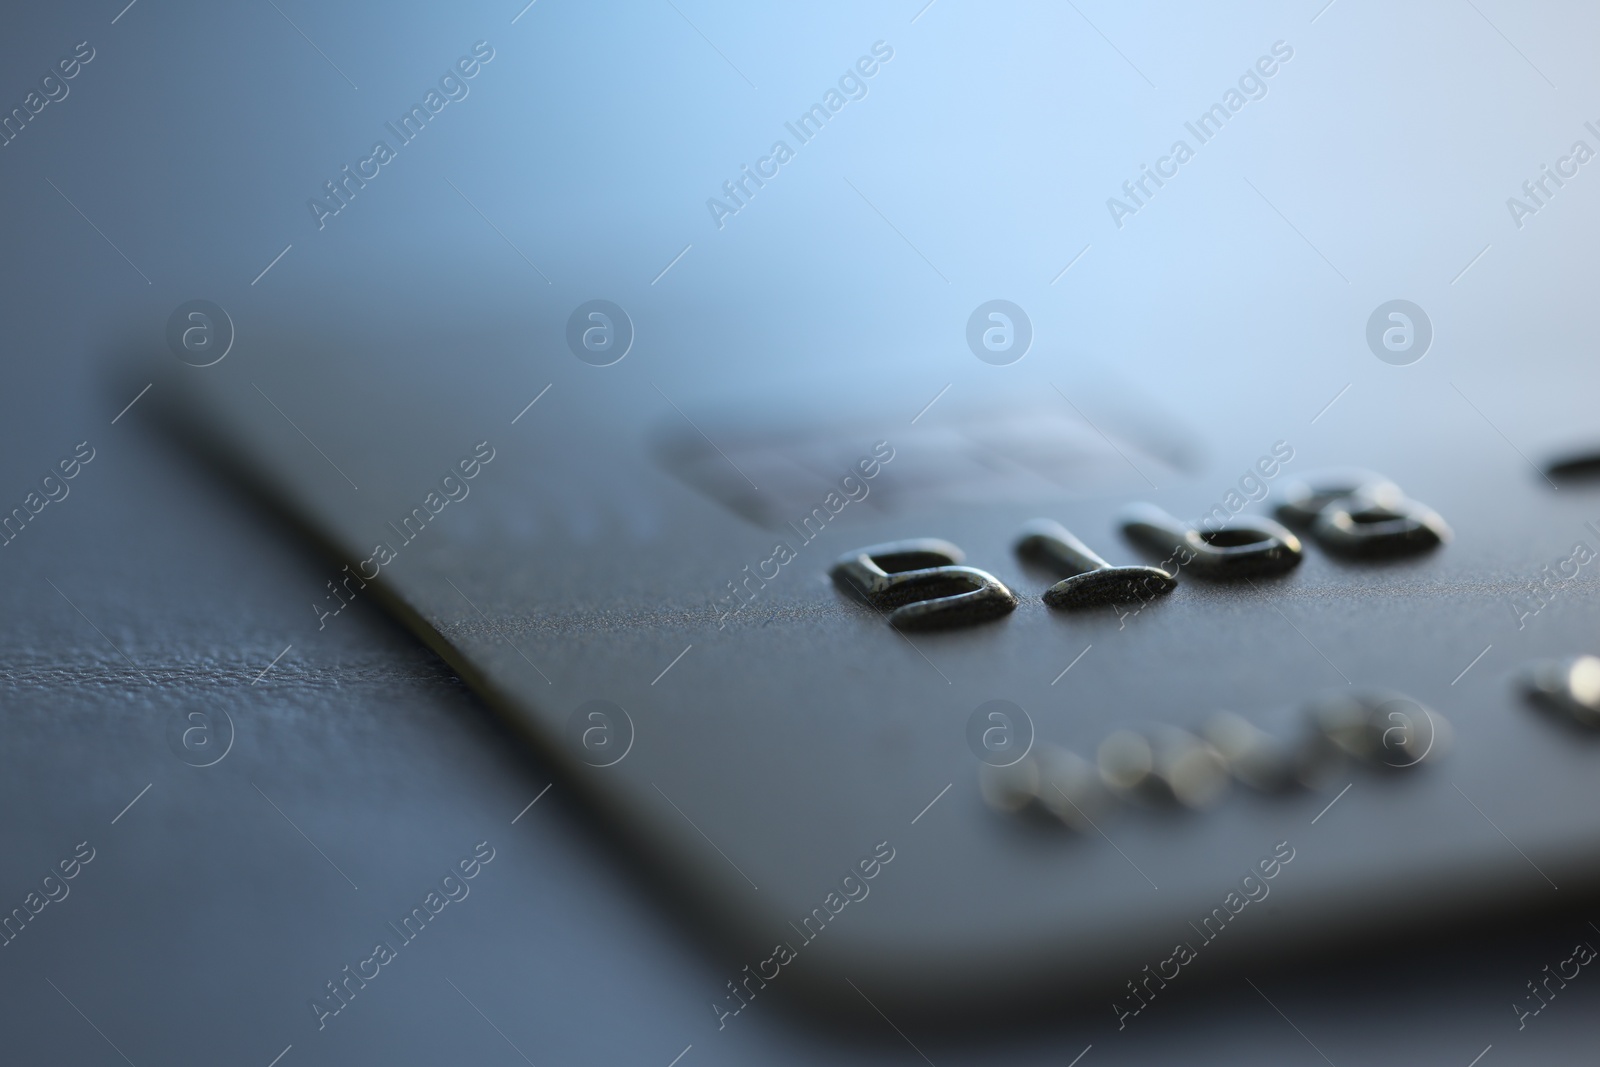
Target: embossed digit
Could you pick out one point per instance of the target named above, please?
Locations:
(921, 585)
(1358, 513)
(1246, 546)
(1090, 581)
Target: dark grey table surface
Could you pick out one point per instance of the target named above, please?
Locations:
(221, 899)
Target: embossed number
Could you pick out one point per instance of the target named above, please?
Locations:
(921, 584)
(1358, 513)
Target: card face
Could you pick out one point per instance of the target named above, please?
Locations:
(674, 636)
(815, 567)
